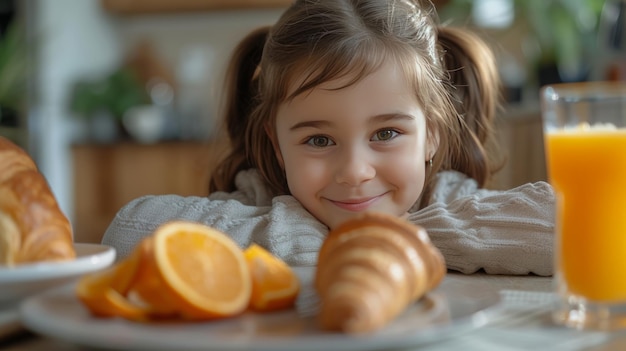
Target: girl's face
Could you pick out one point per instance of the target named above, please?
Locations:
(359, 148)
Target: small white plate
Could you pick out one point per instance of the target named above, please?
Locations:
(24, 280)
(457, 305)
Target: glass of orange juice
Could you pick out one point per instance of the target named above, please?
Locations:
(584, 127)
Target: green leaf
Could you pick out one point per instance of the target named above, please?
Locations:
(14, 66)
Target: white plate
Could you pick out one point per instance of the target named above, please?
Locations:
(457, 305)
(24, 280)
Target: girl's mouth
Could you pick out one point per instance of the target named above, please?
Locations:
(356, 205)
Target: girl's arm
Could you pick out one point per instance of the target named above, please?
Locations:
(502, 232)
(283, 227)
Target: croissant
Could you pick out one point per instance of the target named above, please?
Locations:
(370, 269)
(32, 226)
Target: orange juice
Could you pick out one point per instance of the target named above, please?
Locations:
(587, 169)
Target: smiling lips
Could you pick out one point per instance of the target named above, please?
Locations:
(356, 205)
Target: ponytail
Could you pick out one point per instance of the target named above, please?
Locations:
(474, 90)
(240, 100)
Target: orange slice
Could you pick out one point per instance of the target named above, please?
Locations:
(104, 292)
(274, 284)
(149, 287)
(197, 270)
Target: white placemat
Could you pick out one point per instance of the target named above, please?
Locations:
(523, 322)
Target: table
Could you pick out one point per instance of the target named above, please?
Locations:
(522, 322)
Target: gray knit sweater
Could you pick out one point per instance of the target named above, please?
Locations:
(502, 232)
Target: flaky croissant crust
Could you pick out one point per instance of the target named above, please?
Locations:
(371, 268)
(32, 226)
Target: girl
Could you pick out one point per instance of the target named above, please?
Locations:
(345, 106)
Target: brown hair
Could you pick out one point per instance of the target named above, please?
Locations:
(452, 71)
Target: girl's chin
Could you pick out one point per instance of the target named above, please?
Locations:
(336, 221)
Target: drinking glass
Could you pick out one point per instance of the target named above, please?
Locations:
(584, 127)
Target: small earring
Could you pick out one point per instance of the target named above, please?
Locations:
(430, 163)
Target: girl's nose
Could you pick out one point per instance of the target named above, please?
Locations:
(354, 168)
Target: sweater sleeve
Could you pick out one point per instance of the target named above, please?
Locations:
(283, 227)
(501, 232)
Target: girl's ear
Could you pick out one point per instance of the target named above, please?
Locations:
(272, 136)
(432, 143)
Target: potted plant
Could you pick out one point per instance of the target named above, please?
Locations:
(13, 80)
(106, 100)
(565, 34)
(559, 36)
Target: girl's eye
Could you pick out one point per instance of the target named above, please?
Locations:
(384, 135)
(319, 141)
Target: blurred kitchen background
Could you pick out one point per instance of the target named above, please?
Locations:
(116, 99)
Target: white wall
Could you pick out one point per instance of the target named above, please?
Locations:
(77, 40)
(74, 38)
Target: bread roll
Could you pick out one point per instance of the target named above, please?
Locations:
(370, 269)
(32, 226)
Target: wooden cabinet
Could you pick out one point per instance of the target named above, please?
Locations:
(106, 177)
(520, 147)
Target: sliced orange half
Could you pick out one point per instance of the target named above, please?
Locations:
(203, 271)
